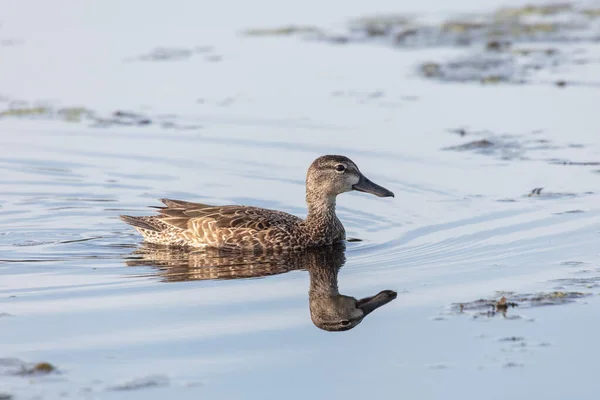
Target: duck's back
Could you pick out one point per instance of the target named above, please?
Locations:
(184, 223)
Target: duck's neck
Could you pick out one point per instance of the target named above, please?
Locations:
(323, 281)
(321, 210)
(322, 224)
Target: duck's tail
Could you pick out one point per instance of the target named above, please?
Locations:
(144, 223)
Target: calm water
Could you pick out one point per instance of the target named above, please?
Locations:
(120, 319)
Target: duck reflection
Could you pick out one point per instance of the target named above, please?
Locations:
(329, 309)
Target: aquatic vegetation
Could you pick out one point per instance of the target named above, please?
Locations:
(493, 307)
(380, 25)
(504, 44)
(506, 147)
(67, 114)
(591, 12)
(142, 383)
(533, 9)
(25, 112)
(177, 54)
(516, 147)
(39, 369)
(477, 144)
(580, 163)
(497, 40)
(587, 283)
(80, 114)
(74, 114)
(13, 366)
(282, 31)
(537, 193)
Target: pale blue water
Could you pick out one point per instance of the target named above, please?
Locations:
(75, 291)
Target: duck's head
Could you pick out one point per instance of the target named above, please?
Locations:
(331, 175)
(341, 313)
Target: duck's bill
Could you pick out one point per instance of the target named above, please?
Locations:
(365, 185)
(370, 304)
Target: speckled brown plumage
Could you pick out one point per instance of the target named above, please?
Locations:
(329, 309)
(233, 227)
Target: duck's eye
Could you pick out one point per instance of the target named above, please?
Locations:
(340, 168)
(345, 322)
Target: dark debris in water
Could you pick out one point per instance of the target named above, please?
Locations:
(586, 283)
(502, 146)
(352, 240)
(579, 163)
(126, 118)
(511, 146)
(512, 339)
(474, 145)
(512, 364)
(577, 211)
(489, 308)
(538, 194)
(535, 192)
(572, 263)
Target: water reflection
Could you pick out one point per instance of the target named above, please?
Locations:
(329, 309)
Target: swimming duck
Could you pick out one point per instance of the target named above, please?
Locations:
(236, 227)
(329, 309)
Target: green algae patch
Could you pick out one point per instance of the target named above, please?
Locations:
(282, 31)
(381, 25)
(591, 12)
(74, 114)
(79, 114)
(25, 112)
(510, 45)
(533, 10)
(504, 46)
(68, 114)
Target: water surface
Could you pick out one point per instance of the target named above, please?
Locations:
(79, 290)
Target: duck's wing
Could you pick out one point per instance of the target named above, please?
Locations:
(183, 204)
(186, 215)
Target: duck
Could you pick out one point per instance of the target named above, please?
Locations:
(239, 228)
(329, 309)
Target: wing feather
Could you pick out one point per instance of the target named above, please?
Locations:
(180, 214)
(183, 204)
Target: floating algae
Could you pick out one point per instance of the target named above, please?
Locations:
(490, 308)
(503, 45)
